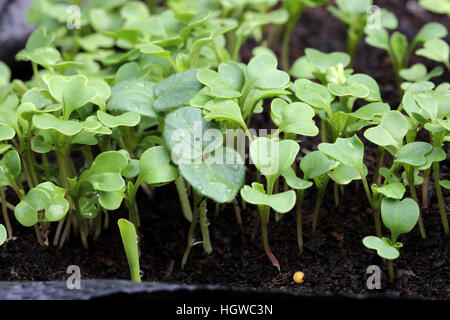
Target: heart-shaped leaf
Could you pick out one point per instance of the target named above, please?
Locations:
(10, 168)
(394, 190)
(414, 153)
(384, 250)
(45, 196)
(348, 151)
(344, 175)
(155, 166)
(399, 216)
(272, 157)
(313, 94)
(295, 182)
(281, 202)
(315, 164)
(390, 132)
(295, 117)
(223, 110)
(435, 49)
(132, 95)
(105, 172)
(262, 73)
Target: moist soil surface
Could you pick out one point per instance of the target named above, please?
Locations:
(334, 259)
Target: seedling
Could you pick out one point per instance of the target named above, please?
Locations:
(400, 51)
(273, 159)
(130, 242)
(437, 50)
(355, 15)
(213, 171)
(438, 6)
(399, 216)
(3, 234)
(295, 10)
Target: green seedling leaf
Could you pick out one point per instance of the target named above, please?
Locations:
(418, 180)
(130, 71)
(10, 168)
(378, 38)
(439, 6)
(6, 133)
(127, 119)
(418, 72)
(303, 68)
(399, 216)
(176, 90)
(295, 117)
(262, 73)
(414, 153)
(44, 197)
(295, 182)
(313, 94)
(344, 175)
(88, 207)
(348, 151)
(315, 164)
(431, 30)
(394, 190)
(435, 49)
(223, 110)
(5, 74)
(370, 111)
(219, 177)
(226, 83)
(156, 168)
(272, 157)
(399, 45)
(184, 133)
(436, 155)
(105, 172)
(47, 121)
(323, 61)
(197, 147)
(3, 234)
(281, 202)
(368, 82)
(390, 132)
(132, 95)
(130, 244)
(384, 250)
(354, 89)
(445, 184)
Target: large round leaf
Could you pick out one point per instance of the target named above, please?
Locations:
(218, 177)
(155, 166)
(399, 216)
(132, 95)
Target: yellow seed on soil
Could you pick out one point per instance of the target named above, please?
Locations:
(298, 277)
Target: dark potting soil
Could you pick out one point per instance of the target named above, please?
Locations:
(334, 260)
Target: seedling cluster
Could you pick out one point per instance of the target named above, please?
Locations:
(117, 107)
